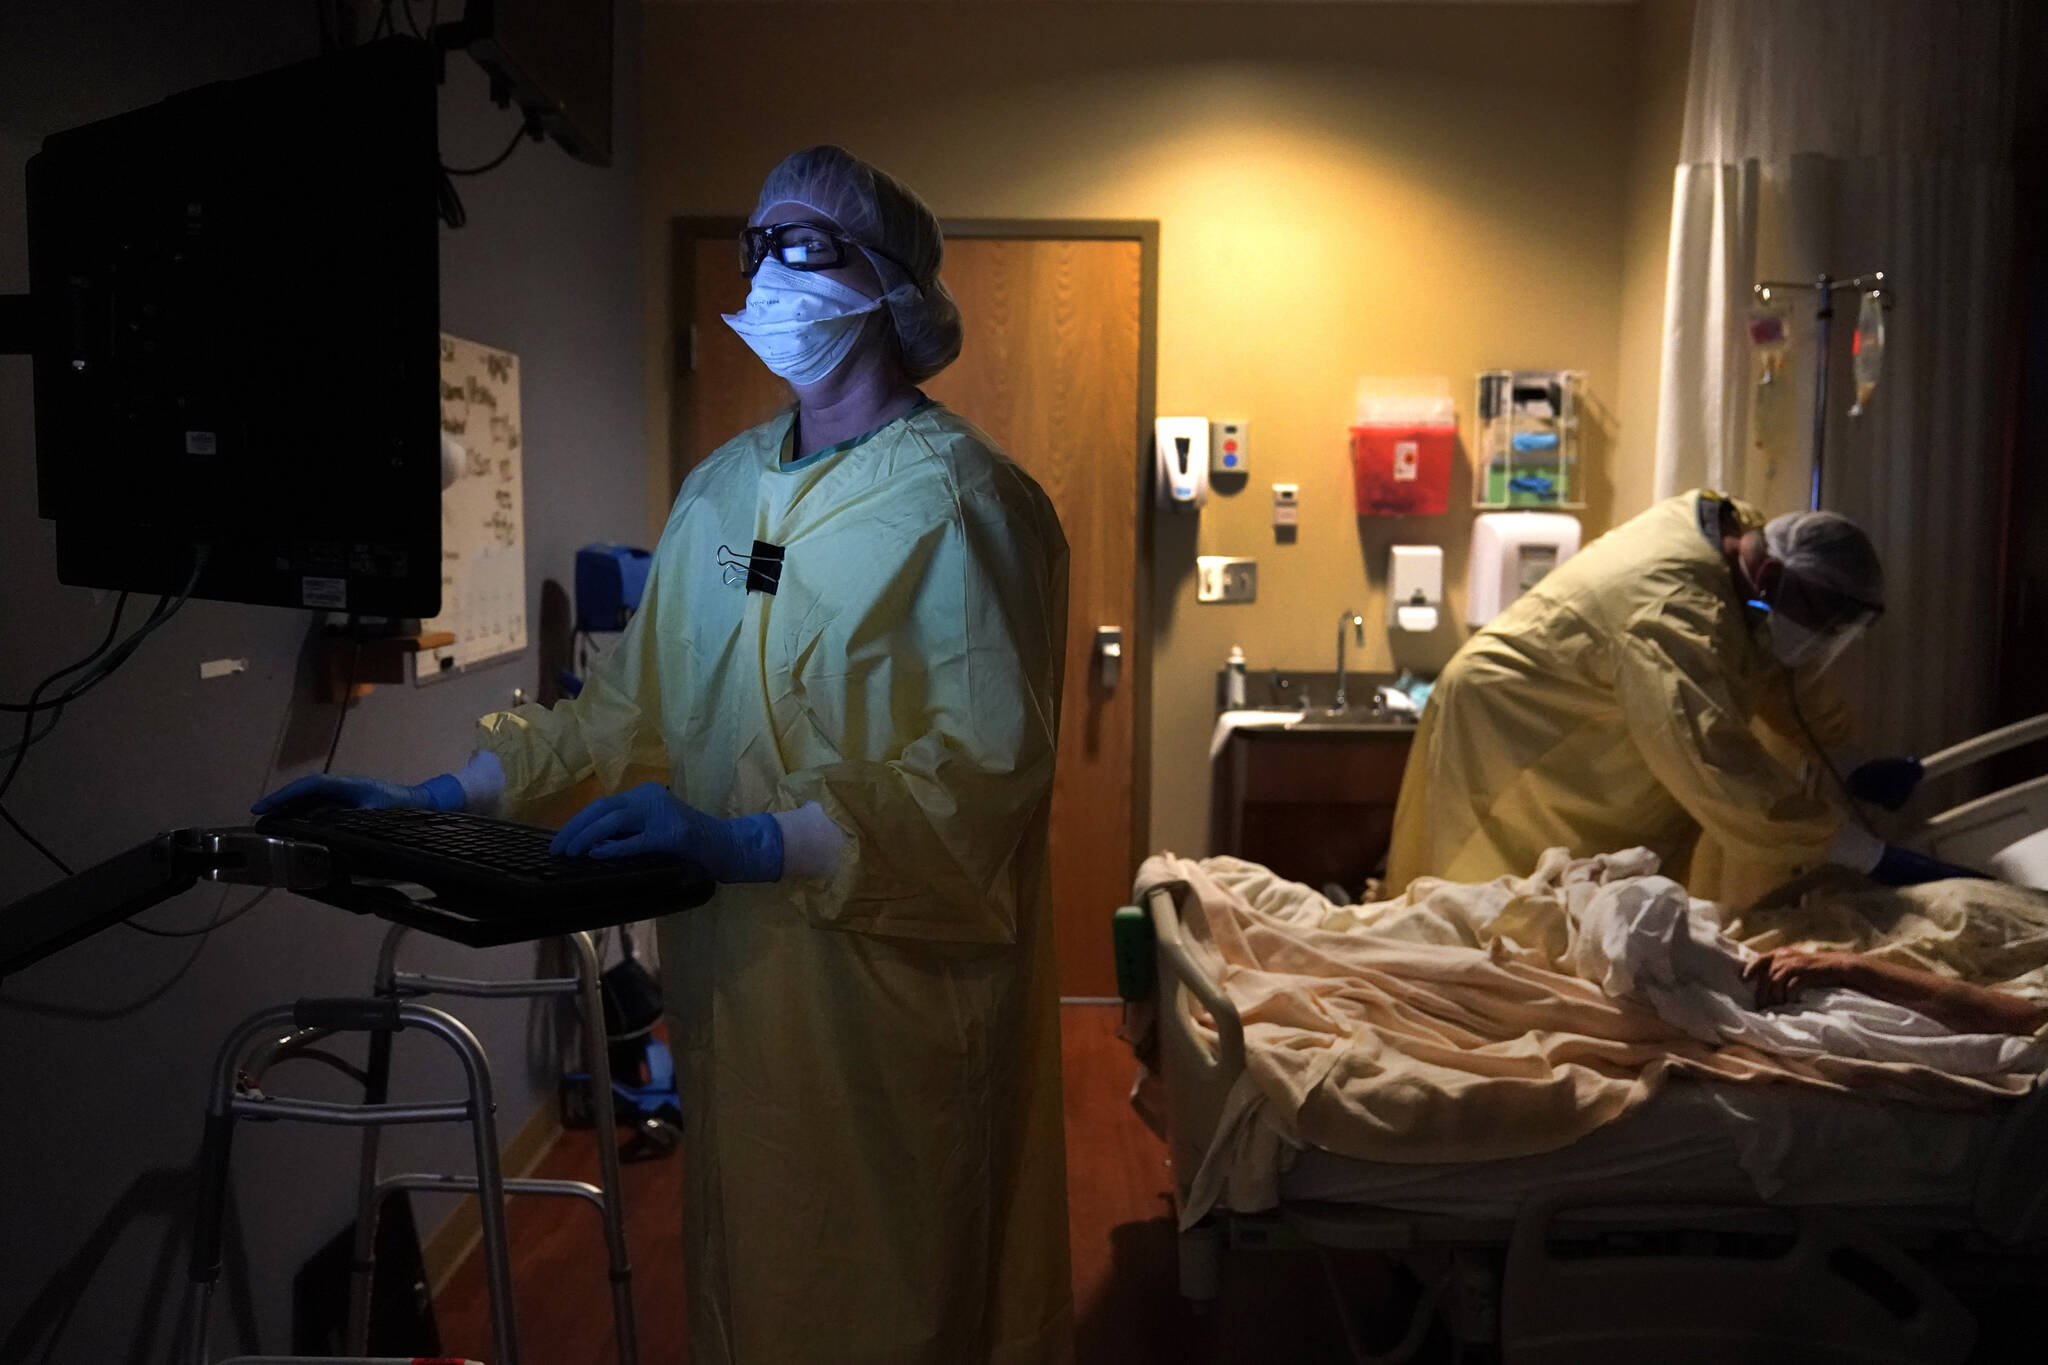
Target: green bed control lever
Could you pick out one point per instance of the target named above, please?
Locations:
(1131, 936)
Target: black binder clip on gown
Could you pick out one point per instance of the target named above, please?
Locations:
(761, 571)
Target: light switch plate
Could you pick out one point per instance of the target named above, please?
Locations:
(1226, 578)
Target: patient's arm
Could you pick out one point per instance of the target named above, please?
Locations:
(1784, 972)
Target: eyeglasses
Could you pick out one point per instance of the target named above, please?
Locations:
(802, 246)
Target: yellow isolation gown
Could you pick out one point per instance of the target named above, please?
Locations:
(1623, 700)
(869, 1063)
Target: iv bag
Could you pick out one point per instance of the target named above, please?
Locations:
(1770, 332)
(1867, 349)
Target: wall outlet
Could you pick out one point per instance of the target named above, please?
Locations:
(1225, 578)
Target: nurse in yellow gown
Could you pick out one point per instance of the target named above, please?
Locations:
(868, 1045)
(860, 747)
(1641, 693)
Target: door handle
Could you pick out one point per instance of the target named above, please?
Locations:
(1109, 655)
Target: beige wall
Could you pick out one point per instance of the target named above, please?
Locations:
(1343, 190)
(1663, 51)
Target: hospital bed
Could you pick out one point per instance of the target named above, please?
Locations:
(1648, 1238)
(2006, 832)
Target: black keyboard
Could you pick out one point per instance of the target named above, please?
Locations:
(489, 845)
(489, 869)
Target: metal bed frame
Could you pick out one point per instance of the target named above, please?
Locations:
(1856, 1296)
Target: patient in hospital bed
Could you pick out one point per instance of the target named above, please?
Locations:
(1464, 1022)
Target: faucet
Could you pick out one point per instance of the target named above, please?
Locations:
(1357, 623)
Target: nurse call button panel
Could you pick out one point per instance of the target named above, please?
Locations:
(1229, 448)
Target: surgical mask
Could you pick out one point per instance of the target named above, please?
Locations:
(801, 323)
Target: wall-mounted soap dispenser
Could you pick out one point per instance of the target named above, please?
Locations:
(1182, 444)
(1415, 587)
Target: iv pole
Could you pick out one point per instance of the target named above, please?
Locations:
(1824, 288)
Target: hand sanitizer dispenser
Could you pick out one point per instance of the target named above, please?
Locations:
(1183, 452)
(1415, 587)
(1511, 551)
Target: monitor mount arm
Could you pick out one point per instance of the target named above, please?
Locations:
(153, 871)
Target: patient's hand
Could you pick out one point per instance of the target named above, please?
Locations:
(1782, 973)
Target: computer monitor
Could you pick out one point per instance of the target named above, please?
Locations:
(235, 296)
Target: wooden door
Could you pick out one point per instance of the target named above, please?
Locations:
(721, 388)
(1050, 369)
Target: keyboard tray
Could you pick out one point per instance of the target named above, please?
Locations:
(482, 881)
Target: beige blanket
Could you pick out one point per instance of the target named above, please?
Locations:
(1446, 1025)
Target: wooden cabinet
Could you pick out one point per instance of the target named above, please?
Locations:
(1315, 805)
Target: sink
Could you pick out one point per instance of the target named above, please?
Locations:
(1355, 718)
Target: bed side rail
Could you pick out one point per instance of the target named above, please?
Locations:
(1150, 949)
(1985, 745)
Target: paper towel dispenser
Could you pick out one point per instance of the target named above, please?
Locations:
(1511, 552)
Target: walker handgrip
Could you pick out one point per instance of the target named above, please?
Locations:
(348, 1014)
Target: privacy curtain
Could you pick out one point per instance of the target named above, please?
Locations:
(1845, 136)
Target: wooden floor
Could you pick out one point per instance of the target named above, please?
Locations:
(1128, 1309)
(1275, 1306)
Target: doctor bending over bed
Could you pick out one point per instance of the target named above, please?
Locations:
(1644, 694)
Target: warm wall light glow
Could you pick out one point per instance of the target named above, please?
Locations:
(1341, 191)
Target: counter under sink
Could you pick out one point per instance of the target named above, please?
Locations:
(1312, 796)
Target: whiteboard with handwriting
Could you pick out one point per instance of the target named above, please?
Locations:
(483, 513)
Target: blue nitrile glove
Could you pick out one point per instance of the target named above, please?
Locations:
(1889, 782)
(649, 819)
(363, 793)
(1903, 867)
